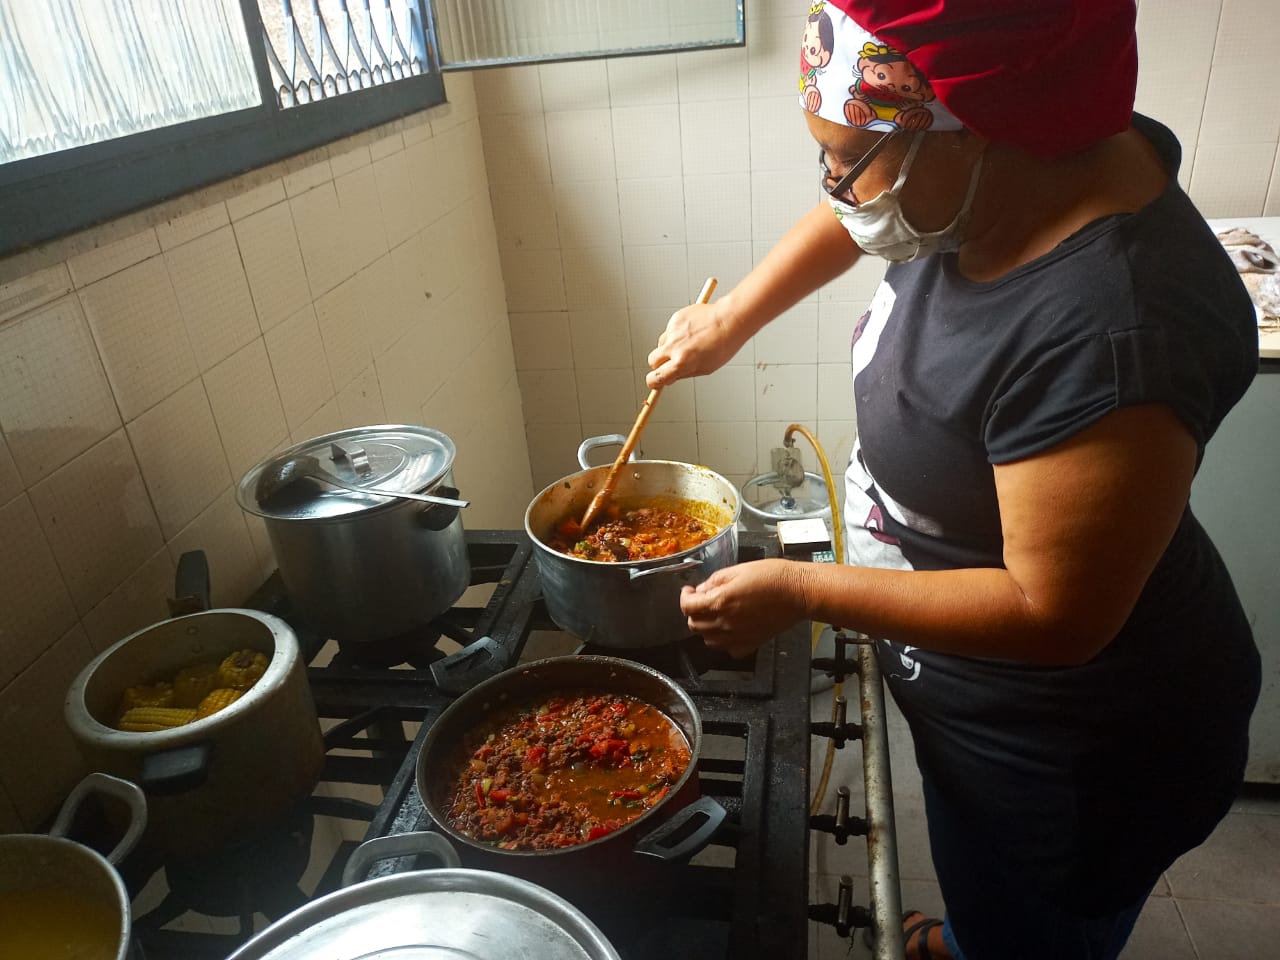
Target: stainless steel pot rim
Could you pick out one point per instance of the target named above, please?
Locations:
(276, 673)
(486, 687)
(361, 908)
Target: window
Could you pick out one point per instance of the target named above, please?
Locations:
(115, 105)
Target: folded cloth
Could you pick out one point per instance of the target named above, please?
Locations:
(1259, 267)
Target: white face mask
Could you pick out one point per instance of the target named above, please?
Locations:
(881, 229)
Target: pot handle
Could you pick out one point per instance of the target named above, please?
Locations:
(398, 845)
(686, 564)
(122, 790)
(437, 516)
(686, 841)
(177, 769)
(608, 440)
(190, 585)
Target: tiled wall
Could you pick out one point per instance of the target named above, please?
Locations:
(146, 365)
(619, 186)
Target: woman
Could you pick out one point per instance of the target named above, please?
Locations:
(1035, 380)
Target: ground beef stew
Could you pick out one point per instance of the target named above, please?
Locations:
(642, 533)
(564, 770)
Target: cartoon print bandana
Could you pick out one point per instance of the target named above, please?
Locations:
(852, 78)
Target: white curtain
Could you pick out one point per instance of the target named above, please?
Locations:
(74, 72)
(476, 32)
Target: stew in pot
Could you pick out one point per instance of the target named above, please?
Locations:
(564, 770)
(642, 533)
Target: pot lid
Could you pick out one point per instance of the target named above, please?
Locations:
(443, 914)
(395, 457)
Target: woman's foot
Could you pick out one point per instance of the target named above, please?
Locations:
(923, 937)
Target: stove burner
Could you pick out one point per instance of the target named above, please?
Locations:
(685, 660)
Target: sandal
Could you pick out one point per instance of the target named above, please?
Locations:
(920, 930)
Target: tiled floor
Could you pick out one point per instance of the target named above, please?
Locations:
(1221, 901)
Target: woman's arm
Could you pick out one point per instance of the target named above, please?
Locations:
(699, 339)
(1084, 525)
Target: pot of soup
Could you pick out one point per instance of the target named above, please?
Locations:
(59, 898)
(668, 524)
(568, 770)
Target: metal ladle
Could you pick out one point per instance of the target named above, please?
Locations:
(281, 474)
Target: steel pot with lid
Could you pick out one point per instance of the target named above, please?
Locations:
(433, 914)
(771, 497)
(363, 565)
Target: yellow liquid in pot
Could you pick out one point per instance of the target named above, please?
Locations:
(53, 924)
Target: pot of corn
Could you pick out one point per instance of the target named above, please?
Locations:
(212, 715)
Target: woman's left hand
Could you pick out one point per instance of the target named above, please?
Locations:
(740, 607)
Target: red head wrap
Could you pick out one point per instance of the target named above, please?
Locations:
(1049, 76)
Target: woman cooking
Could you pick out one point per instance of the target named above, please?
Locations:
(1053, 345)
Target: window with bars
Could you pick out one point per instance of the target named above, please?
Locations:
(113, 105)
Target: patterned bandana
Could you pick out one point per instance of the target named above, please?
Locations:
(849, 77)
(1047, 76)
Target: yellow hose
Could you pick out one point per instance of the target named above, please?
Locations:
(838, 537)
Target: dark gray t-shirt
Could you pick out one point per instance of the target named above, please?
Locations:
(952, 376)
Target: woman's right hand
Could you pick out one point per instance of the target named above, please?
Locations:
(698, 340)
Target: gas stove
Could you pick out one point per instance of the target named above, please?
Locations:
(744, 896)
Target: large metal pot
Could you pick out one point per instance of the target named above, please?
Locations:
(638, 855)
(221, 776)
(443, 912)
(61, 898)
(631, 604)
(362, 566)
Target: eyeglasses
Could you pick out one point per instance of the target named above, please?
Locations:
(842, 190)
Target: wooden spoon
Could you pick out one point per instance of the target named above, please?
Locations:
(611, 480)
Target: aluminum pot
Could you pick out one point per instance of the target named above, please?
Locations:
(219, 777)
(631, 604)
(442, 912)
(61, 898)
(638, 856)
(363, 566)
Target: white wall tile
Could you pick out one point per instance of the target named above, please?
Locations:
(272, 260)
(541, 341)
(601, 338)
(343, 331)
(837, 438)
(306, 171)
(136, 321)
(507, 91)
(35, 604)
(574, 85)
(461, 102)
(858, 284)
(646, 326)
(1272, 206)
(515, 149)
(54, 398)
(715, 137)
(728, 395)
(717, 208)
(94, 507)
(109, 258)
(712, 74)
(552, 451)
(787, 392)
(642, 80)
(587, 213)
(646, 141)
(1231, 180)
(221, 533)
(34, 290)
(727, 447)
(246, 407)
(549, 396)
(525, 216)
(835, 391)
(675, 401)
(326, 249)
(594, 278)
(652, 211)
(299, 365)
(177, 446)
(671, 441)
(213, 294)
(10, 479)
(779, 138)
(255, 198)
(581, 145)
(426, 198)
(395, 188)
(345, 157)
(658, 276)
(608, 394)
(836, 322)
(388, 300)
(361, 212)
(400, 377)
(773, 55)
(534, 280)
(778, 200)
(136, 603)
(185, 227)
(790, 338)
(328, 419)
(727, 262)
(360, 401)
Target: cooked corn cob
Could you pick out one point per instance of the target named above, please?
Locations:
(147, 695)
(151, 719)
(216, 700)
(242, 669)
(193, 683)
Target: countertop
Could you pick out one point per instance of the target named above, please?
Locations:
(1268, 228)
